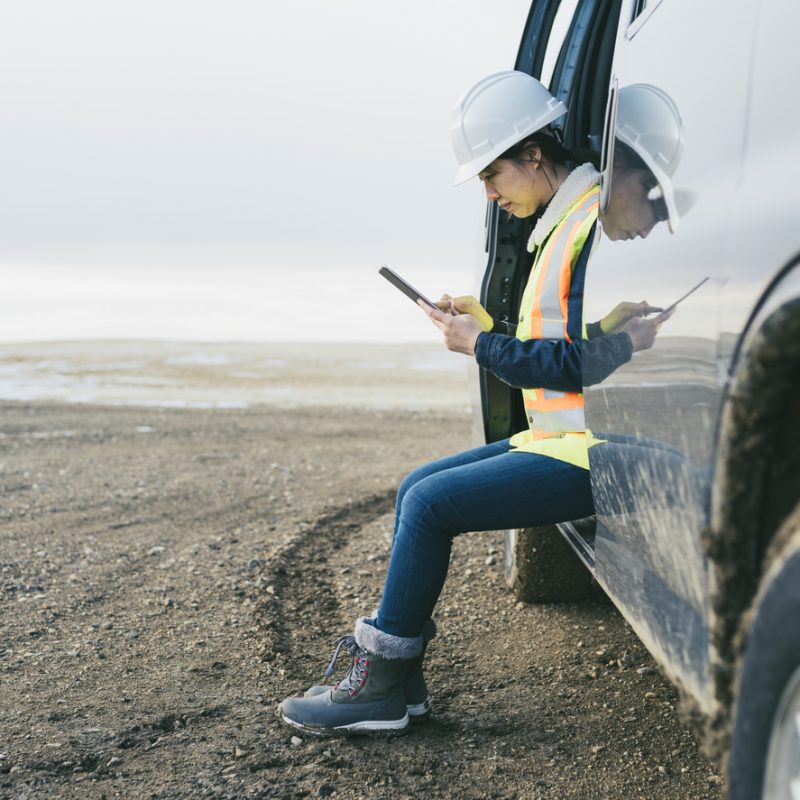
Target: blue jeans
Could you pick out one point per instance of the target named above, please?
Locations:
(488, 488)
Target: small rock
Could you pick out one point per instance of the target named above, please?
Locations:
(296, 741)
(626, 661)
(253, 563)
(270, 589)
(133, 634)
(239, 753)
(154, 551)
(490, 561)
(326, 790)
(114, 761)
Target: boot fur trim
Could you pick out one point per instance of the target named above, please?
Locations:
(385, 644)
(429, 629)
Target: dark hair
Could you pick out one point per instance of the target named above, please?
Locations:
(552, 150)
(625, 157)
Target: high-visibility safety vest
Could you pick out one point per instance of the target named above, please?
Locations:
(556, 423)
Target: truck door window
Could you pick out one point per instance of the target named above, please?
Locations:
(644, 5)
(561, 24)
(641, 13)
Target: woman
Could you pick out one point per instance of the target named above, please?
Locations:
(537, 477)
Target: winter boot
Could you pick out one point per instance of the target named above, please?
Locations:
(370, 697)
(415, 691)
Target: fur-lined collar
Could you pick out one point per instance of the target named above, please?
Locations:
(578, 182)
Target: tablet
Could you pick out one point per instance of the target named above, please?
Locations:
(406, 288)
(680, 300)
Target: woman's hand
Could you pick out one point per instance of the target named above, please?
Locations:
(445, 303)
(467, 304)
(622, 313)
(460, 331)
(643, 331)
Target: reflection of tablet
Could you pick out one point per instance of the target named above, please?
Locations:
(681, 299)
(406, 288)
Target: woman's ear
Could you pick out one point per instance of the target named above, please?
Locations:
(533, 153)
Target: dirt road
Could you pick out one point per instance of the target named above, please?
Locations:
(169, 575)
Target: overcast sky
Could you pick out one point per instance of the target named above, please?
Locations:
(142, 140)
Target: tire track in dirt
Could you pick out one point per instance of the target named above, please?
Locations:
(523, 695)
(302, 588)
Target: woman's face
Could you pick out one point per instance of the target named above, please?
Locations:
(516, 186)
(629, 213)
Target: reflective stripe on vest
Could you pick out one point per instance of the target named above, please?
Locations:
(544, 315)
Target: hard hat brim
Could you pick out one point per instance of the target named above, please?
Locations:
(472, 168)
(678, 201)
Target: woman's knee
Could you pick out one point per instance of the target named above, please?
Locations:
(427, 507)
(410, 480)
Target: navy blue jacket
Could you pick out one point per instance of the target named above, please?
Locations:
(556, 363)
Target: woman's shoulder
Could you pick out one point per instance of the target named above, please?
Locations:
(580, 187)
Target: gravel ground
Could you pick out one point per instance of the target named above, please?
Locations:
(167, 576)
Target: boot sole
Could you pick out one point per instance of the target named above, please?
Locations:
(389, 727)
(419, 712)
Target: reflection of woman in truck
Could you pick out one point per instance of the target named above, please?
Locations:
(647, 149)
(537, 477)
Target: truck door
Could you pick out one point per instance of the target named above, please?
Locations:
(656, 415)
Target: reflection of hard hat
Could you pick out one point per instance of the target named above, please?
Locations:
(496, 113)
(649, 123)
(684, 199)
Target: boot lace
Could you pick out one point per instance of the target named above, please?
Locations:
(357, 674)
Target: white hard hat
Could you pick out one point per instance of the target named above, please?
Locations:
(649, 123)
(496, 113)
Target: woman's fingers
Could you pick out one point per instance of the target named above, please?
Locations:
(437, 316)
(445, 302)
(460, 331)
(664, 316)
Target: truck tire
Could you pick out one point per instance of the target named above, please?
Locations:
(541, 567)
(765, 745)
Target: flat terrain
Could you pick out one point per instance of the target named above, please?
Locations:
(181, 544)
(168, 575)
